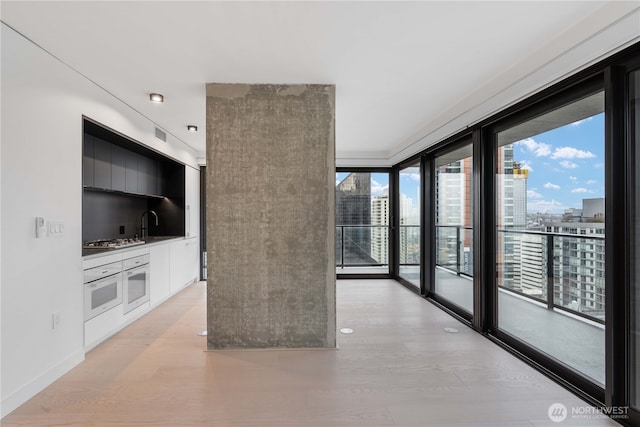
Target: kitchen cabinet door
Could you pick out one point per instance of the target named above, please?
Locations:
(102, 164)
(87, 160)
(143, 175)
(131, 172)
(159, 262)
(185, 263)
(192, 202)
(118, 168)
(152, 178)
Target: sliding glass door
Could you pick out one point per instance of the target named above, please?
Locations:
(409, 204)
(550, 235)
(453, 229)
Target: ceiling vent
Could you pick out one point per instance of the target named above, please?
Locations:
(161, 135)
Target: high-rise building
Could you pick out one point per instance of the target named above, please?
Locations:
(453, 215)
(353, 218)
(578, 265)
(512, 215)
(380, 229)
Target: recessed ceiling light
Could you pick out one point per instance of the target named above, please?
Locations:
(156, 97)
(192, 128)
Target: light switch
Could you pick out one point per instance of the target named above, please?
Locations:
(56, 228)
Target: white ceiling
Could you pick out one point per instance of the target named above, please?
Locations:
(398, 67)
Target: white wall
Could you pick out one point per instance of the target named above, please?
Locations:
(41, 175)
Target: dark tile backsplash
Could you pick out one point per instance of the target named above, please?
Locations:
(103, 214)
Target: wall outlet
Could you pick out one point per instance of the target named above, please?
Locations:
(122, 229)
(55, 320)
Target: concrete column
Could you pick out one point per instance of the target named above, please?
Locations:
(270, 216)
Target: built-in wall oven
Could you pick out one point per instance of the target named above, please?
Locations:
(102, 289)
(135, 282)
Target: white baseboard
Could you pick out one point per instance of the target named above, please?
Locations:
(27, 391)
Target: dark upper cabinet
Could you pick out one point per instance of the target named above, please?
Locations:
(118, 168)
(152, 178)
(87, 160)
(144, 169)
(131, 172)
(162, 172)
(107, 166)
(102, 164)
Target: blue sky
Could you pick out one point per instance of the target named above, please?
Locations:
(565, 165)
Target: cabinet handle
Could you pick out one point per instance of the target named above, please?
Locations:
(188, 220)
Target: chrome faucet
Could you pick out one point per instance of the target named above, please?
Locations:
(142, 227)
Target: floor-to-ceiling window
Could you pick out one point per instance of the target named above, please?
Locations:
(362, 222)
(530, 228)
(409, 226)
(634, 348)
(453, 227)
(550, 235)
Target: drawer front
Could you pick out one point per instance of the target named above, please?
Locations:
(135, 262)
(102, 271)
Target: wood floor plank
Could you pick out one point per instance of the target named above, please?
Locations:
(398, 367)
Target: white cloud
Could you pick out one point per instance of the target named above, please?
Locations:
(524, 164)
(537, 148)
(378, 189)
(551, 186)
(579, 122)
(579, 190)
(545, 206)
(571, 153)
(568, 165)
(533, 194)
(592, 181)
(573, 178)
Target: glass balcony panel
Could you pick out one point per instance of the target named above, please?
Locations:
(550, 227)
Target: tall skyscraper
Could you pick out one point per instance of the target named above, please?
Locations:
(380, 229)
(453, 215)
(578, 265)
(512, 215)
(353, 211)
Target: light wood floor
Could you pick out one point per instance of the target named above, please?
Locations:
(398, 367)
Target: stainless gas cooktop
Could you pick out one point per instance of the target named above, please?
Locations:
(112, 243)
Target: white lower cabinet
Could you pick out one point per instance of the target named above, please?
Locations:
(185, 263)
(160, 258)
(172, 266)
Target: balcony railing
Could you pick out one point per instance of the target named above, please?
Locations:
(410, 245)
(454, 248)
(564, 271)
(362, 245)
